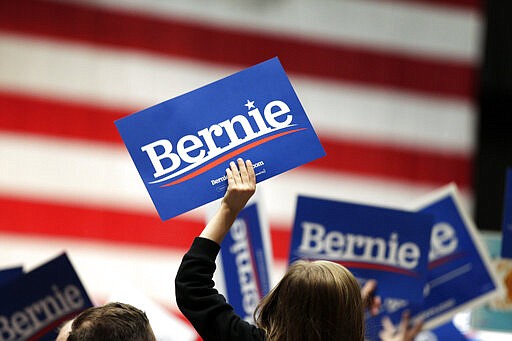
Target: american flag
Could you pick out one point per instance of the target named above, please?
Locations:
(389, 86)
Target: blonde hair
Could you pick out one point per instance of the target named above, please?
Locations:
(317, 300)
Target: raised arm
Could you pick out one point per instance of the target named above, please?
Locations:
(241, 186)
(196, 296)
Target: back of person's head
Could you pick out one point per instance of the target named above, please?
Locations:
(318, 300)
(111, 322)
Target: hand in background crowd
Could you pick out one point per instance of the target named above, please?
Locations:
(404, 332)
(370, 301)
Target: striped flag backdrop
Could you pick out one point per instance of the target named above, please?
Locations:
(389, 86)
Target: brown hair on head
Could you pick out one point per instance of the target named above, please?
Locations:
(111, 322)
(318, 300)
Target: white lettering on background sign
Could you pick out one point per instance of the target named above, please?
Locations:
(43, 312)
(315, 240)
(245, 266)
(356, 247)
(443, 241)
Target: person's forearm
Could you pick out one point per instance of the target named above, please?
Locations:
(219, 225)
(241, 186)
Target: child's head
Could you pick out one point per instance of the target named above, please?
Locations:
(318, 300)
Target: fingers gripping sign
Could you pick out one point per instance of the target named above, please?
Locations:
(241, 185)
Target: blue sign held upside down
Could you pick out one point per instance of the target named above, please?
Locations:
(245, 256)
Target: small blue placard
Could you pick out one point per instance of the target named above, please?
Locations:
(388, 245)
(182, 147)
(506, 245)
(7, 275)
(34, 305)
(459, 270)
(244, 256)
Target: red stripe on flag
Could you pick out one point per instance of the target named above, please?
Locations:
(234, 46)
(281, 240)
(30, 217)
(37, 115)
(49, 219)
(26, 114)
(395, 162)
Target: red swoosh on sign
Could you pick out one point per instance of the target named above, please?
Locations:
(380, 267)
(229, 156)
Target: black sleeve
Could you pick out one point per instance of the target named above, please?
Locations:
(207, 310)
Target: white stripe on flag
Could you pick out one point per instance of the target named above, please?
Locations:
(131, 79)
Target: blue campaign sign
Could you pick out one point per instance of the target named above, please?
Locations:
(506, 245)
(7, 275)
(459, 270)
(182, 147)
(35, 304)
(388, 245)
(245, 256)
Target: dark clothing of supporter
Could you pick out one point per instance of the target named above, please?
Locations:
(200, 302)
